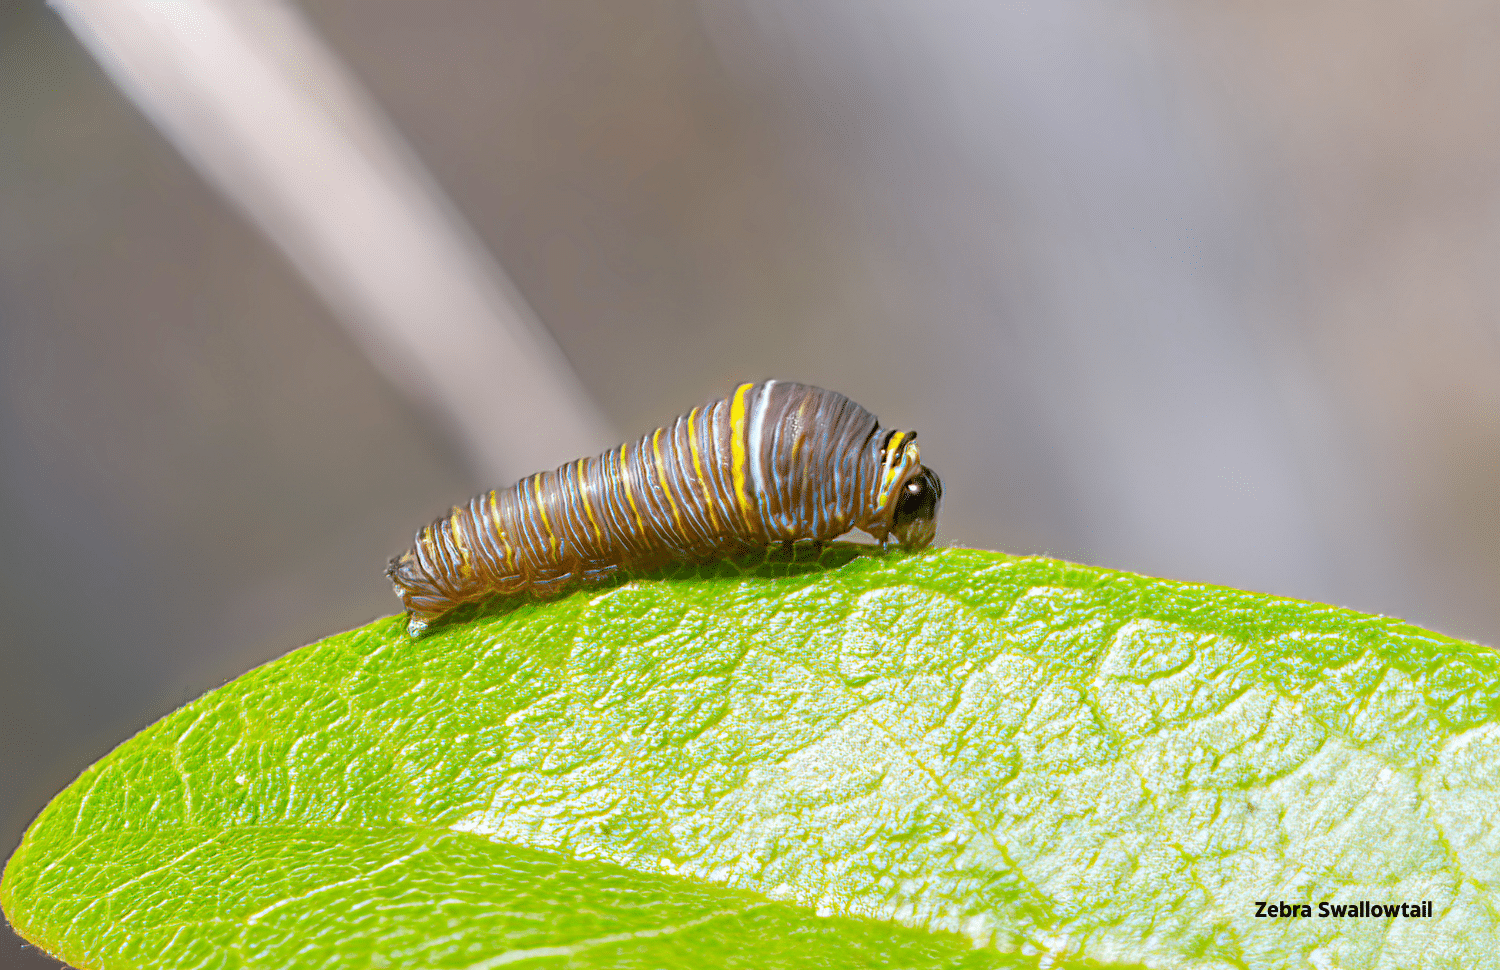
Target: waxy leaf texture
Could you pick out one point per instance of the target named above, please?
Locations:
(950, 759)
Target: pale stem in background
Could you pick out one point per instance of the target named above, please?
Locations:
(253, 98)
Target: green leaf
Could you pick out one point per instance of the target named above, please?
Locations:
(954, 759)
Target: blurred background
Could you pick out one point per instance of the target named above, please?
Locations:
(1203, 291)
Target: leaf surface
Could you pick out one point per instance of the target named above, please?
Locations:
(953, 759)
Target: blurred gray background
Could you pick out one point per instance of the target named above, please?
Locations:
(1203, 291)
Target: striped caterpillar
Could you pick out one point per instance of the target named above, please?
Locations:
(775, 462)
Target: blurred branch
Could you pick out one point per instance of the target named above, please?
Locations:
(268, 114)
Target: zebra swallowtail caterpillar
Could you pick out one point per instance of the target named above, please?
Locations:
(775, 462)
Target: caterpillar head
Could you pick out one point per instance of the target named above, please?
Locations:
(915, 522)
(907, 493)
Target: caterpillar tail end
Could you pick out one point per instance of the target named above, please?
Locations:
(406, 579)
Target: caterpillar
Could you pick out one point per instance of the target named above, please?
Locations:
(775, 462)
